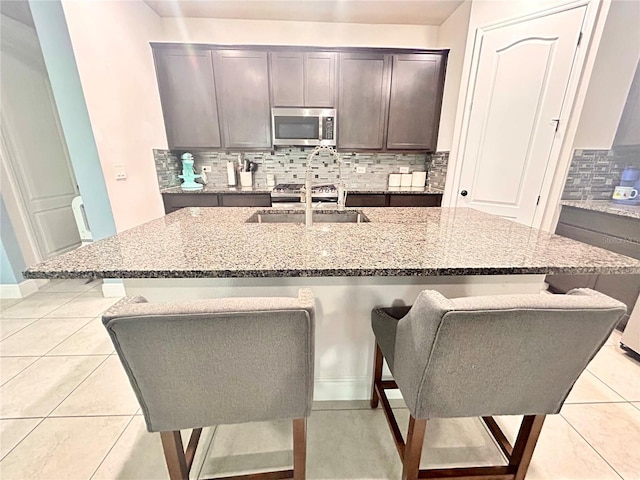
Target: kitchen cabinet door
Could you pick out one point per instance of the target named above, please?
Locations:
(417, 83)
(188, 97)
(363, 94)
(320, 79)
(243, 86)
(303, 79)
(287, 79)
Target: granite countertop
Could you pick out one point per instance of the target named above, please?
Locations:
(225, 189)
(605, 206)
(216, 242)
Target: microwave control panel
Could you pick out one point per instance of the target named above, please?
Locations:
(328, 128)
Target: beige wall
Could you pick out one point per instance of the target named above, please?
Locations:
(111, 45)
(452, 34)
(271, 32)
(615, 64)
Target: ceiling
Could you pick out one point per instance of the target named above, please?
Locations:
(410, 12)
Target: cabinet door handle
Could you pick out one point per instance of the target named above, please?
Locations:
(464, 193)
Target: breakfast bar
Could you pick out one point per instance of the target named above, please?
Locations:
(385, 259)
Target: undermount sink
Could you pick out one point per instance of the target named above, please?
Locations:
(319, 216)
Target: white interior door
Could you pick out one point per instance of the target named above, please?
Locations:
(33, 144)
(522, 76)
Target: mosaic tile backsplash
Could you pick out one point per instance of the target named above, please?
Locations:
(594, 174)
(289, 166)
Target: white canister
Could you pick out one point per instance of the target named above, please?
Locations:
(418, 179)
(394, 179)
(405, 181)
(271, 180)
(246, 179)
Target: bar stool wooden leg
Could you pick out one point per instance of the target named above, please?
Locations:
(174, 455)
(413, 448)
(299, 448)
(377, 377)
(525, 444)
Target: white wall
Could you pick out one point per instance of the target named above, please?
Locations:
(111, 45)
(615, 64)
(452, 34)
(272, 32)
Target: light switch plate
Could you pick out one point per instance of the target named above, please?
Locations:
(361, 169)
(404, 169)
(121, 173)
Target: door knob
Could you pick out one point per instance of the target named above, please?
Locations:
(464, 193)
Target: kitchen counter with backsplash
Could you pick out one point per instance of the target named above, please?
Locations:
(400, 242)
(372, 190)
(217, 189)
(605, 206)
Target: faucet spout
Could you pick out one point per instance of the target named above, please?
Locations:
(308, 209)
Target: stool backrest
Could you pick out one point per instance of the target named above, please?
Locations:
(498, 355)
(219, 361)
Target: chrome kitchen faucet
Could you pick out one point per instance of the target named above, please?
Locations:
(342, 192)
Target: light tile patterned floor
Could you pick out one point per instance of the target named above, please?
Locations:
(68, 412)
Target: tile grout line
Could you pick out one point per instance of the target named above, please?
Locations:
(18, 373)
(42, 419)
(592, 447)
(68, 337)
(20, 329)
(56, 308)
(112, 446)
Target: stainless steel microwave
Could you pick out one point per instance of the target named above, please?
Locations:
(303, 126)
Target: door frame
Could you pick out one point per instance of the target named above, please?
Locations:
(546, 213)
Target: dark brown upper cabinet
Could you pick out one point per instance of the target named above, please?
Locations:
(243, 95)
(188, 97)
(417, 81)
(363, 95)
(303, 79)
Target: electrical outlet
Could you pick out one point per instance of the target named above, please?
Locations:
(206, 168)
(121, 173)
(404, 169)
(361, 169)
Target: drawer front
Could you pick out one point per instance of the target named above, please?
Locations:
(415, 200)
(622, 227)
(245, 200)
(173, 202)
(366, 200)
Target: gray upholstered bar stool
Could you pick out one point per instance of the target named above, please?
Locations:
(486, 356)
(220, 361)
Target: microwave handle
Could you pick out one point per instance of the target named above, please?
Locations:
(320, 128)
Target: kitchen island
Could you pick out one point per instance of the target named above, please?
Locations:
(350, 267)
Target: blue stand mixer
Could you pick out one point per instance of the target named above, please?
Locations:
(189, 175)
(629, 181)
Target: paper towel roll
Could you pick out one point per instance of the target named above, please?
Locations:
(231, 174)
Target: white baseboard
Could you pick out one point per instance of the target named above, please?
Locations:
(357, 388)
(21, 290)
(113, 289)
